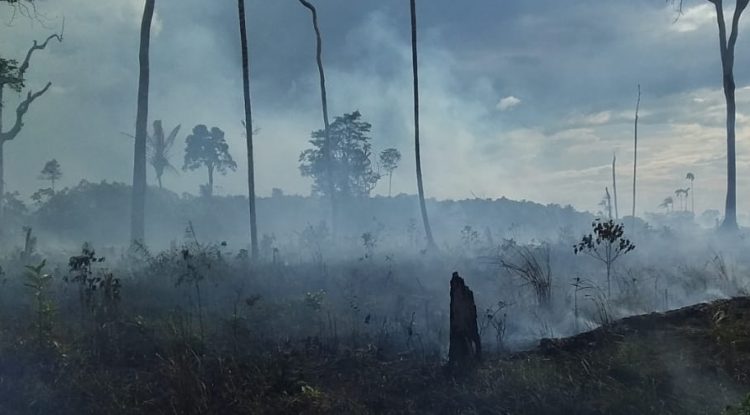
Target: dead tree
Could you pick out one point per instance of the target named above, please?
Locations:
(635, 151)
(12, 76)
(614, 185)
(331, 188)
(465, 344)
(138, 207)
(415, 75)
(248, 130)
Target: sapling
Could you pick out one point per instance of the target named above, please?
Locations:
(39, 283)
(607, 243)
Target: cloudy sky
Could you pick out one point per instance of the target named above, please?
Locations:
(527, 100)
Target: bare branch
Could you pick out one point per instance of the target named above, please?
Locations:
(36, 46)
(21, 110)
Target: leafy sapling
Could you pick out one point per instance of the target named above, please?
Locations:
(606, 244)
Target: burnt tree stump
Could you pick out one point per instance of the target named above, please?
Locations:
(465, 344)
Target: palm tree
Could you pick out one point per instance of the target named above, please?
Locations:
(248, 130)
(678, 196)
(691, 177)
(415, 72)
(159, 148)
(667, 203)
(138, 208)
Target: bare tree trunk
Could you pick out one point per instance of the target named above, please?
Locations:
(326, 124)
(390, 180)
(692, 197)
(158, 180)
(420, 187)
(726, 48)
(614, 186)
(609, 202)
(248, 131)
(635, 153)
(2, 164)
(2, 185)
(137, 219)
(210, 180)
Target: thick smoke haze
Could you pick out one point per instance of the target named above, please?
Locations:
(527, 100)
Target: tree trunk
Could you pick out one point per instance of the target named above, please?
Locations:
(730, 216)
(635, 152)
(692, 196)
(158, 180)
(210, 180)
(390, 180)
(248, 131)
(614, 186)
(2, 165)
(137, 220)
(726, 48)
(420, 187)
(2, 185)
(465, 344)
(326, 125)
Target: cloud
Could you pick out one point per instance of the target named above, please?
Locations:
(508, 103)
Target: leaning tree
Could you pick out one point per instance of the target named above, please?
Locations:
(417, 154)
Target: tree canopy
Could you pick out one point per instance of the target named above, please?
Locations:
(350, 158)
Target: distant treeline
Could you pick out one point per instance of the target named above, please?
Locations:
(94, 212)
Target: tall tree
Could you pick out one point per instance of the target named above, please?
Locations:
(415, 73)
(51, 172)
(389, 159)
(635, 151)
(248, 130)
(208, 149)
(726, 50)
(324, 105)
(159, 147)
(691, 177)
(12, 75)
(614, 185)
(138, 207)
(351, 161)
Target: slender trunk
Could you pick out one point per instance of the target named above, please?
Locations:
(635, 153)
(2, 185)
(2, 167)
(210, 180)
(326, 124)
(158, 180)
(614, 186)
(730, 218)
(137, 220)
(390, 179)
(53, 184)
(609, 203)
(248, 131)
(726, 48)
(692, 197)
(420, 187)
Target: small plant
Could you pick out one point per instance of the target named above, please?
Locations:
(82, 273)
(369, 241)
(530, 263)
(606, 243)
(39, 283)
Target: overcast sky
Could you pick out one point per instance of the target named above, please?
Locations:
(523, 99)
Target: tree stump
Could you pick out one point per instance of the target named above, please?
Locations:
(465, 344)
